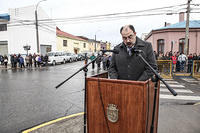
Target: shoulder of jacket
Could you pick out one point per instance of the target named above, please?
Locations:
(121, 45)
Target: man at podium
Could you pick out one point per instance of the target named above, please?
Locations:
(126, 64)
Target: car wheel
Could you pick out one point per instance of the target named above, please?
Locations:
(64, 61)
(70, 60)
(54, 63)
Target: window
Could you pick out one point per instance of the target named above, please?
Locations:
(3, 27)
(182, 45)
(84, 45)
(160, 45)
(65, 43)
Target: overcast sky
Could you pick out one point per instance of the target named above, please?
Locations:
(105, 30)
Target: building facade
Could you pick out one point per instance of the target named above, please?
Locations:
(70, 43)
(21, 31)
(172, 37)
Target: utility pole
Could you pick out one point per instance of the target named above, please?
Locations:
(37, 34)
(36, 26)
(186, 50)
(95, 46)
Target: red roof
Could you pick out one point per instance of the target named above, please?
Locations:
(65, 34)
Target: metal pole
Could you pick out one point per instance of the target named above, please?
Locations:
(95, 47)
(37, 33)
(36, 26)
(186, 50)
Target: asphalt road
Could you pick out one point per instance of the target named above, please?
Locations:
(28, 97)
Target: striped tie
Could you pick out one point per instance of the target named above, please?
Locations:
(129, 51)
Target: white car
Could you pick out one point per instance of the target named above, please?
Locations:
(68, 56)
(56, 57)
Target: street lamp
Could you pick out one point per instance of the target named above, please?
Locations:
(36, 26)
(95, 47)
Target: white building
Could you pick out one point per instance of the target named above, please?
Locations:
(20, 31)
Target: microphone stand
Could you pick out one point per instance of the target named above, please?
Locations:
(85, 69)
(157, 78)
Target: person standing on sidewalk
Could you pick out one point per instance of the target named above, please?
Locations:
(190, 63)
(92, 57)
(5, 61)
(15, 61)
(27, 61)
(182, 59)
(174, 59)
(46, 58)
(98, 61)
(34, 60)
(104, 60)
(30, 60)
(1, 59)
(21, 61)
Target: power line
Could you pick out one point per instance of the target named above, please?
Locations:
(105, 15)
(95, 19)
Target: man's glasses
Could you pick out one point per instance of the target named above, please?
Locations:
(129, 37)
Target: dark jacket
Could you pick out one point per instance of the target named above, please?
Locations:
(132, 67)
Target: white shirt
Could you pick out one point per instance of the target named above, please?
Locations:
(182, 57)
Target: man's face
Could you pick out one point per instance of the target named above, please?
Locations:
(128, 36)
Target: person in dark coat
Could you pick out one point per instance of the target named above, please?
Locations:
(30, 60)
(5, 60)
(127, 65)
(92, 57)
(12, 60)
(15, 60)
(46, 58)
(98, 62)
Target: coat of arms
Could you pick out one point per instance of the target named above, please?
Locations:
(112, 113)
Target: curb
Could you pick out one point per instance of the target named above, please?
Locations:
(51, 122)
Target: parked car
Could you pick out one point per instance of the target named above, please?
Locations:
(73, 56)
(56, 57)
(67, 56)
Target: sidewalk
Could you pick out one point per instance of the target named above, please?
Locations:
(2, 67)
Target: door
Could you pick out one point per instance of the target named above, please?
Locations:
(3, 47)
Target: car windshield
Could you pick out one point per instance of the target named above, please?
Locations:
(50, 54)
(68, 54)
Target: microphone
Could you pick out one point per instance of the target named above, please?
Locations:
(137, 50)
(114, 51)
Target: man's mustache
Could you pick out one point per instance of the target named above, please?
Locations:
(129, 43)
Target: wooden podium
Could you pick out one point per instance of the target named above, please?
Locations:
(120, 106)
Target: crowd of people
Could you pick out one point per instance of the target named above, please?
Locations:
(105, 60)
(180, 61)
(28, 61)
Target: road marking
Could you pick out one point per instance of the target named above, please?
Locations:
(197, 103)
(51, 122)
(177, 90)
(180, 97)
(187, 79)
(193, 81)
(172, 82)
(169, 79)
(173, 85)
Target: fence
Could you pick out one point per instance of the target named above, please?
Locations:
(189, 68)
(195, 71)
(165, 68)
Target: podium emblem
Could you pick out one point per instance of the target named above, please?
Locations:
(112, 113)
